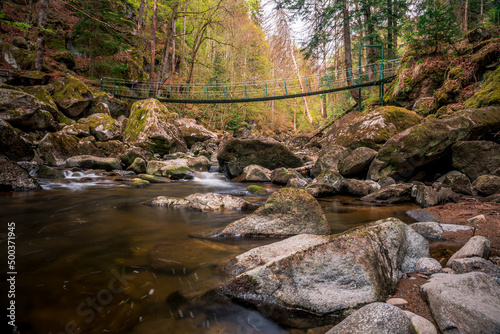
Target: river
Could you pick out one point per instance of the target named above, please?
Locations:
(89, 255)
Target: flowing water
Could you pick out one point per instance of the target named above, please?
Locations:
(91, 258)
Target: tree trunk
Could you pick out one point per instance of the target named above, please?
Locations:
(140, 22)
(346, 29)
(466, 16)
(40, 40)
(390, 28)
(370, 52)
(153, 42)
(170, 37)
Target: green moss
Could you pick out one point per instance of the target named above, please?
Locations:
(489, 94)
(257, 190)
(139, 183)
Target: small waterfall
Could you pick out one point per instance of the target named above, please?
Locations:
(214, 181)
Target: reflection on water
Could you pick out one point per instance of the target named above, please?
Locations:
(96, 259)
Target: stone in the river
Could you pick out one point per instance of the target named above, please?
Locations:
(289, 211)
(235, 154)
(203, 202)
(329, 158)
(476, 246)
(151, 127)
(14, 178)
(13, 145)
(326, 275)
(395, 193)
(93, 162)
(355, 187)
(154, 179)
(283, 175)
(178, 168)
(254, 173)
(257, 190)
(297, 182)
(465, 303)
(48, 172)
(139, 166)
(375, 318)
(357, 162)
(321, 190)
(102, 127)
(139, 183)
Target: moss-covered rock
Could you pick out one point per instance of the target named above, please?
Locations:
(283, 175)
(66, 58)
(476, 158)
(257, 190)
(151, 178)
(371, 129)
(139, 166)
(102, 127)
(174, 169)
(139, 183)
(77, 129)
(18, 58)
(55, 148)
(192, 132)
(72, 96)
(486, 185)
(287, 212)
(357, 162)
(108, 104)
(13, 145)
(47, 172)
(413, 149)
(236, 154)
(254, 173)
(203, 202)
(93, 162)
(111, 148)
(132, 153)
(151, 127)
(489, 94)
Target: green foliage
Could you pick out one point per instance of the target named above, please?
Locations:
(437, 25)
(109, 68)
(234, 123)
(24, 27)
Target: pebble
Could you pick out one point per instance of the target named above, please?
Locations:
(480, 219)
(397, 301)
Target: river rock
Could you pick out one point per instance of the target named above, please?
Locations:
(429, 141)
(72, 96)
(426, 195)
(47, 172)
(13, 145)
(395, 193)
(151, 127)
(375, 318)
(422, 215)
(457, 182)
(330, 177)
(326, 275)
(193, 132)
(56, 148)
(254, 173)
(476, 246)
(93, 162)
(111, 148)
(371, 129)
(203, 202)
(486, 185)
(289, 211)
(102, 127)
(139, 166)
(283, 175)
(357, 162)
(177, 169)
(472, 264)
(428, 266)
(15, 178)
(321, 190)
(328, 159)
(435, 230)
(132, 153)
(420, 324)
(235, 154)
(153, 179)
(355, 187)
(257, 190)
(103, 102)
(476, 158)
(297, 182)
(466, 303)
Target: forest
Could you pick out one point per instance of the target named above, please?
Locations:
(240, 41)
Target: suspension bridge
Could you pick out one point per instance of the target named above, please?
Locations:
(376, 74)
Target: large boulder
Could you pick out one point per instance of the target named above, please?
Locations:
(328, 159)
(371, 129)
(283, 175)
(357, 162)
(355, 187)
(13, 145)
(15, 178)
(375, 318)
(203, 202)
(476, 158)
(151, 127)
(25, 111)
(102, 127)
(56, 148)
(72, 96)
(477, 246)
(192, 132)
(108, 104)
(287, 212)
(486, 185)
(178, 168)
(435, 230)
(472, 264)
(466, 303)
(429, 141)
(325, 275)
(92, 162)
(235, 154)
(457, 182)
(254, 173)
(487, 95)
(395, 193)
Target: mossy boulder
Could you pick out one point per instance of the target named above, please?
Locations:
(43, 93)
(15, 178)
(488, 94)
(257, 190)
(18, 58)
(151, 127)
(328, 159)
(77, 129)
(192, 132)
(287, 212)
(13, 145)
(72, 96)
(254, 173)
(178, 168)
(93, 162)
(203, 202)
(103, 102)
(412, 150)
(66, 58)
(236, 154)
(139, 183)
(486, 185)
(47, 172)
(55, 148)
(357, 162)
(111, 148)
(476, 158)
(102, 127)
(329, 276)
(147, 177)
(132, 153)
(139, 166)
(283, 175)
(372, 129)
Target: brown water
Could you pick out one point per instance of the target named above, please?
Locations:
(84, 251)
